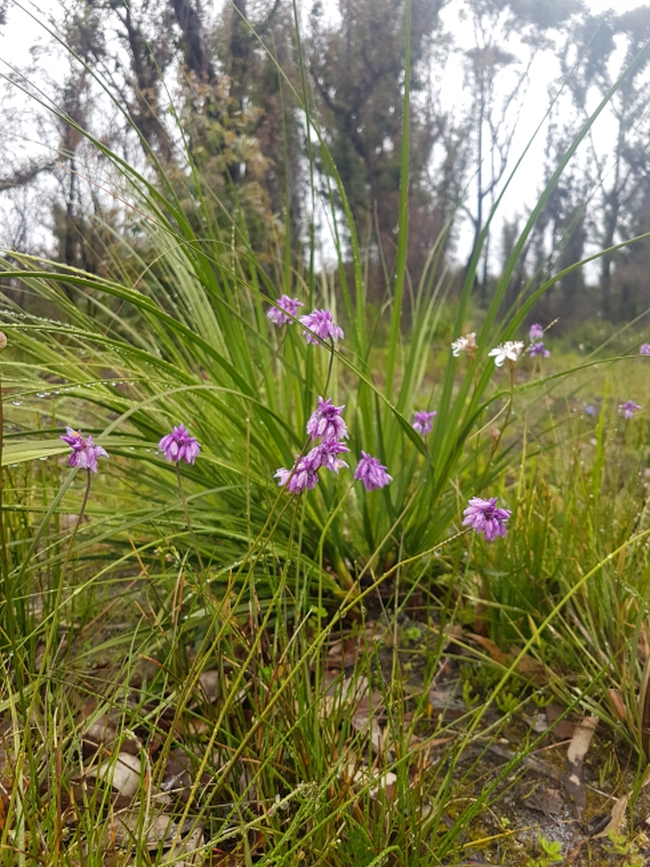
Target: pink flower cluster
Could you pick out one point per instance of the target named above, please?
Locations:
(319, 324)
(423, 421)
(176, 446)
(84, 451)
(537, 348)
(284, 305)
(371, 472)
(484, 517)
(628, 409)
(180, 446)
(326, 424)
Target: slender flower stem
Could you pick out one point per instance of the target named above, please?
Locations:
(84, 503)
(187, 517)
(47, 655)
(331, 365)
(4, 560)
(272, 360)
(496, 441)
(341, 568)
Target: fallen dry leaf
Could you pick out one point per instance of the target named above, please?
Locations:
(574, 784)
(383, 780)
(492, 648)
(617, 819)
(444, 703)
(616, 698)
(122, 773)
(545, 799)
(180, 846)
(209, 683)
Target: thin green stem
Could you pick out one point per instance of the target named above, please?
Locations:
(187, 517)
(496, 441)
(4, 560)
(47, 654)
(68, 553)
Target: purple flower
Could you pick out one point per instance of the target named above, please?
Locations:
(304, 473)
(84, 451)
(628, 409)
(179, 446)
(644, 349)
(536, 331)
(326, 421)
(73, 438)
(484, 517)
(537, 349)
(302, 476)
(590, 410)
(327, 453)
(371, 472)
(322, 324)
(286, 304)
(423, 422)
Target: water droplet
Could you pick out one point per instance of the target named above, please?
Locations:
(17, 402)
(437, 552)
(44, 458)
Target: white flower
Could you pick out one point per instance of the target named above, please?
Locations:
(465, 344)
(508, 351)
(458, 345)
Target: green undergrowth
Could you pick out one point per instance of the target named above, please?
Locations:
(263, 716)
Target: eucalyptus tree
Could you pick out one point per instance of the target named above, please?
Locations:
(597, 53)
(357, 64)
(507, 36)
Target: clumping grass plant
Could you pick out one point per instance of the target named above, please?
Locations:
(203, 647)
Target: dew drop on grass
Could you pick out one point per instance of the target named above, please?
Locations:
(44, 458)
(17, 402)
(437, 552)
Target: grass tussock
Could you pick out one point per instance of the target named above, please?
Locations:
(203, 666)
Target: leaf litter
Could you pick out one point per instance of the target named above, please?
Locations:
(395, 709)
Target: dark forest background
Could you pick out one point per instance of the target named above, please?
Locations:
(221, 105)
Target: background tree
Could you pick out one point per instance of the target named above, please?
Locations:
(600, 48)
(357, 66)
(507, 36)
